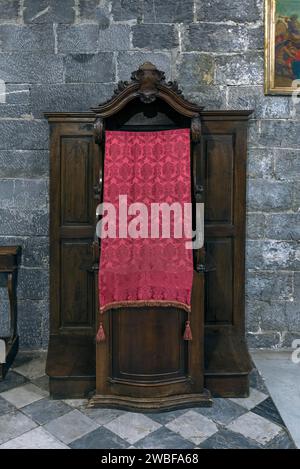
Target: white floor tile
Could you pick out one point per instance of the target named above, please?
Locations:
(193, 427)
(71, 426)
(283, 381)
(255, 427)
(24, 395)
(255, 398)
(34, 439)
(132, 427)
(13, 425)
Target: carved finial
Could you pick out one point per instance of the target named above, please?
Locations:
(148, 77)
(148, 71)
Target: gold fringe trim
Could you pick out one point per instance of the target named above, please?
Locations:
(139, 303)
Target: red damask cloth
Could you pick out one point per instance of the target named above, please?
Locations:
(147, 167)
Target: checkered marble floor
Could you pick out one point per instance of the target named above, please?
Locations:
(29, 419)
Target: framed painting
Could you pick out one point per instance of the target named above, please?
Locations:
(282, 46)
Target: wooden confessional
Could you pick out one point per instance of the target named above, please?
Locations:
(147, 374)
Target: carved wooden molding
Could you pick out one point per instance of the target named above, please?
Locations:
(148, 84)
(196, 129)
(99, 130)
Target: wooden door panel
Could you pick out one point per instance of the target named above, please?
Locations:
(76, 181)
(218, 154)
(77, 293)
(74, 167)
(220, 217)
(148, 344)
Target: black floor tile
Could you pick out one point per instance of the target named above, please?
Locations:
(102, 438)
(268, 410)
(225, 439)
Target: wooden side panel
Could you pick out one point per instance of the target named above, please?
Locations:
(227, 361)
(218, 151)
(219, 282)
(77, 294)
(76, 181)
(74, 164)
(219, 168)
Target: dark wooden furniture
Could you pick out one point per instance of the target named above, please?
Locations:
(9, 262)
(75, 186)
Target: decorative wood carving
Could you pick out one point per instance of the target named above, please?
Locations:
(196, 129)
(99, 130)
(120, 87)
(148, 77)
(148, 84)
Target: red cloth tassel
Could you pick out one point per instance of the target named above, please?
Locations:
(101, 334)
(188, 331)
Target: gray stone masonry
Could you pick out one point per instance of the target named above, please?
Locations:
(67, 55)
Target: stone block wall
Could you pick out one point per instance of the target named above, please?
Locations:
(67, 55)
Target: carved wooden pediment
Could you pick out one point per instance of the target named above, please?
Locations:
(148, 84)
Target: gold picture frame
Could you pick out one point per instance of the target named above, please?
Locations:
(282, 46)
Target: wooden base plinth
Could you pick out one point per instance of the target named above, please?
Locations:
(72, 387)
(227, 363)
(159, 404)
(228, 385)
(11, 351)
(71, 367)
